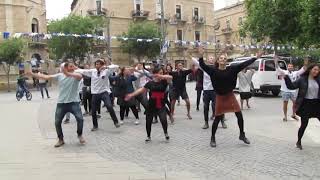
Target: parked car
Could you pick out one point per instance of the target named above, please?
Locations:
(265, 79)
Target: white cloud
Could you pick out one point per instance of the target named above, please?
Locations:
(57, 9)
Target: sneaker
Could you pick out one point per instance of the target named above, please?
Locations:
(298, 145)
(167, 137)
(224, 125)
(189, 117)
(117, 125)
(243, 138)
(148, 139)
(137, 122)
(121, 122)
(205, 126)
(94, 129)
(213, 143)
(295, 117)
(67, 121)
(59, 144)
(155, 121)
(81, 140)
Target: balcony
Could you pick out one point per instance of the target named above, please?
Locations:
(178, 19)
(199, 20)
(37, 42)
(138, 14)
(180, 45)
(158, 19)
(227, 30)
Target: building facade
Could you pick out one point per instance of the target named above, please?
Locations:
(228, 22)
(185, 20)
(24, 16)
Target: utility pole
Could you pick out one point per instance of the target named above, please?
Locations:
(163, 35)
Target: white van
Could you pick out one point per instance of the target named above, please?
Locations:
(265, 79)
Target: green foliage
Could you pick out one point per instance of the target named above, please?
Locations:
(277, 20)
(310, 23)
(73, 47)
(141, 49)
(10, 51)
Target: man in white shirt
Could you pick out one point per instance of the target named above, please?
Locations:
(100, 90)
(143, 76)
(286, 93)
(209, 94)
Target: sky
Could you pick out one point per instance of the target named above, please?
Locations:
(57, 9)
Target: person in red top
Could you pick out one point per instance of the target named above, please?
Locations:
(156, 103)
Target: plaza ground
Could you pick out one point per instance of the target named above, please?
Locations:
(28, 135)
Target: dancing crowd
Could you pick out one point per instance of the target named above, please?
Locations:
(157, 88)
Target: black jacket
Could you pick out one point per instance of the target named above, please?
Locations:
(302, 85)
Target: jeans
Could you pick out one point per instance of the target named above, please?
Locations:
(61, 110)
(43, 86)
(96, 101)
(208, 96)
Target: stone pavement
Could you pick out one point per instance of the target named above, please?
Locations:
(27, 147)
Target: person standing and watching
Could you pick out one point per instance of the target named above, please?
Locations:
(289, 94)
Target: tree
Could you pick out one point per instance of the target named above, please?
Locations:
(73, 47)
(310, 24)
(141, 48)
(274, 20)
(10, 54)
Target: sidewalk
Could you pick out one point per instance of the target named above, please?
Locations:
(25, 154)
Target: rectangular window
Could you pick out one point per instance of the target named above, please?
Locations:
(178, 11)
(228, 24)
(196, 13)
(240, 21)
(197, 35)
(99, 8)
(179, 35)
(269, 65)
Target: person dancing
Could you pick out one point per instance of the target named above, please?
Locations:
(209, 94)
(224, 80)
(156, 103)
(308, 100)
(179, 87)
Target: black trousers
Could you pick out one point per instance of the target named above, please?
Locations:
(209, 96)
(86, 99)
(220, 118)
(96, 101)
(124, 110)
(43, 86)
(163, 119)
(303, 126)
(199, 92)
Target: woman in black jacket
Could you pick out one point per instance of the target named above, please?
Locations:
(308, 100)
(224, 80)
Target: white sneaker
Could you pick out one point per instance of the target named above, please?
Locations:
(137, 122)
(121, 122)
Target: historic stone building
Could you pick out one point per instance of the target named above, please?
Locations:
(228, 22)
(186, 20)
(24, 16)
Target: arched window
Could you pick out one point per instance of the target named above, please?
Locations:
(35, 25)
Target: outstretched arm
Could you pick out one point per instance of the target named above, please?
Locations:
(245, 64)
(168, 78)
(203, 66)
(40, 76)
(291, 85)
(136, 93)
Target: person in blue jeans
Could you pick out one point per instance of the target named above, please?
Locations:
(68, 100)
